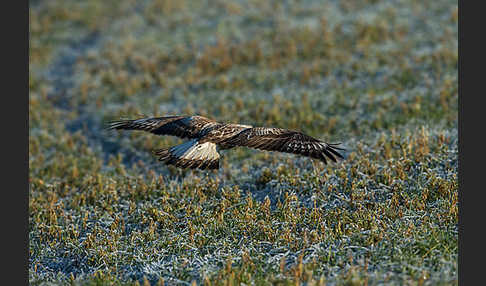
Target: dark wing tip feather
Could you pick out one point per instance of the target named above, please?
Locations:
(322, 158)
(329, 155)
(332, 148)
(116, 124)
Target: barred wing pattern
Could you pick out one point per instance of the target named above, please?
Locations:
(180, 126)
(283, 140)
(206, 134)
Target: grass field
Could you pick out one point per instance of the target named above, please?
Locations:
(378, 76)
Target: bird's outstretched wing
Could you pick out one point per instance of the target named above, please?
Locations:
(283, 140)
(180, 126)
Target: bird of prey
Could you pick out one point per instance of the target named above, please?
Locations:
(205, 135)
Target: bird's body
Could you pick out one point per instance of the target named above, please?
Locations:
(205, 135)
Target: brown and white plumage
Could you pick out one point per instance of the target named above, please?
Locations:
(206, 134)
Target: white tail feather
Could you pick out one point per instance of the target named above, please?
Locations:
(192, 154)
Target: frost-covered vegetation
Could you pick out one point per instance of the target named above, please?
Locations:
(379, 76)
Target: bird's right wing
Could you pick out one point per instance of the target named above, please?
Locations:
(180, 126)
(288, 141)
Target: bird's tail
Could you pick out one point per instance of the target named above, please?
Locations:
(190, 154)
(163, 154)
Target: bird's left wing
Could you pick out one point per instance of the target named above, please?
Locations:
(180, 126)
(288, 141)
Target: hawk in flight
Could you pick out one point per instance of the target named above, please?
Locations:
(205, 134)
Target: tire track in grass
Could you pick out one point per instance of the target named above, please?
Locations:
(61, 75)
